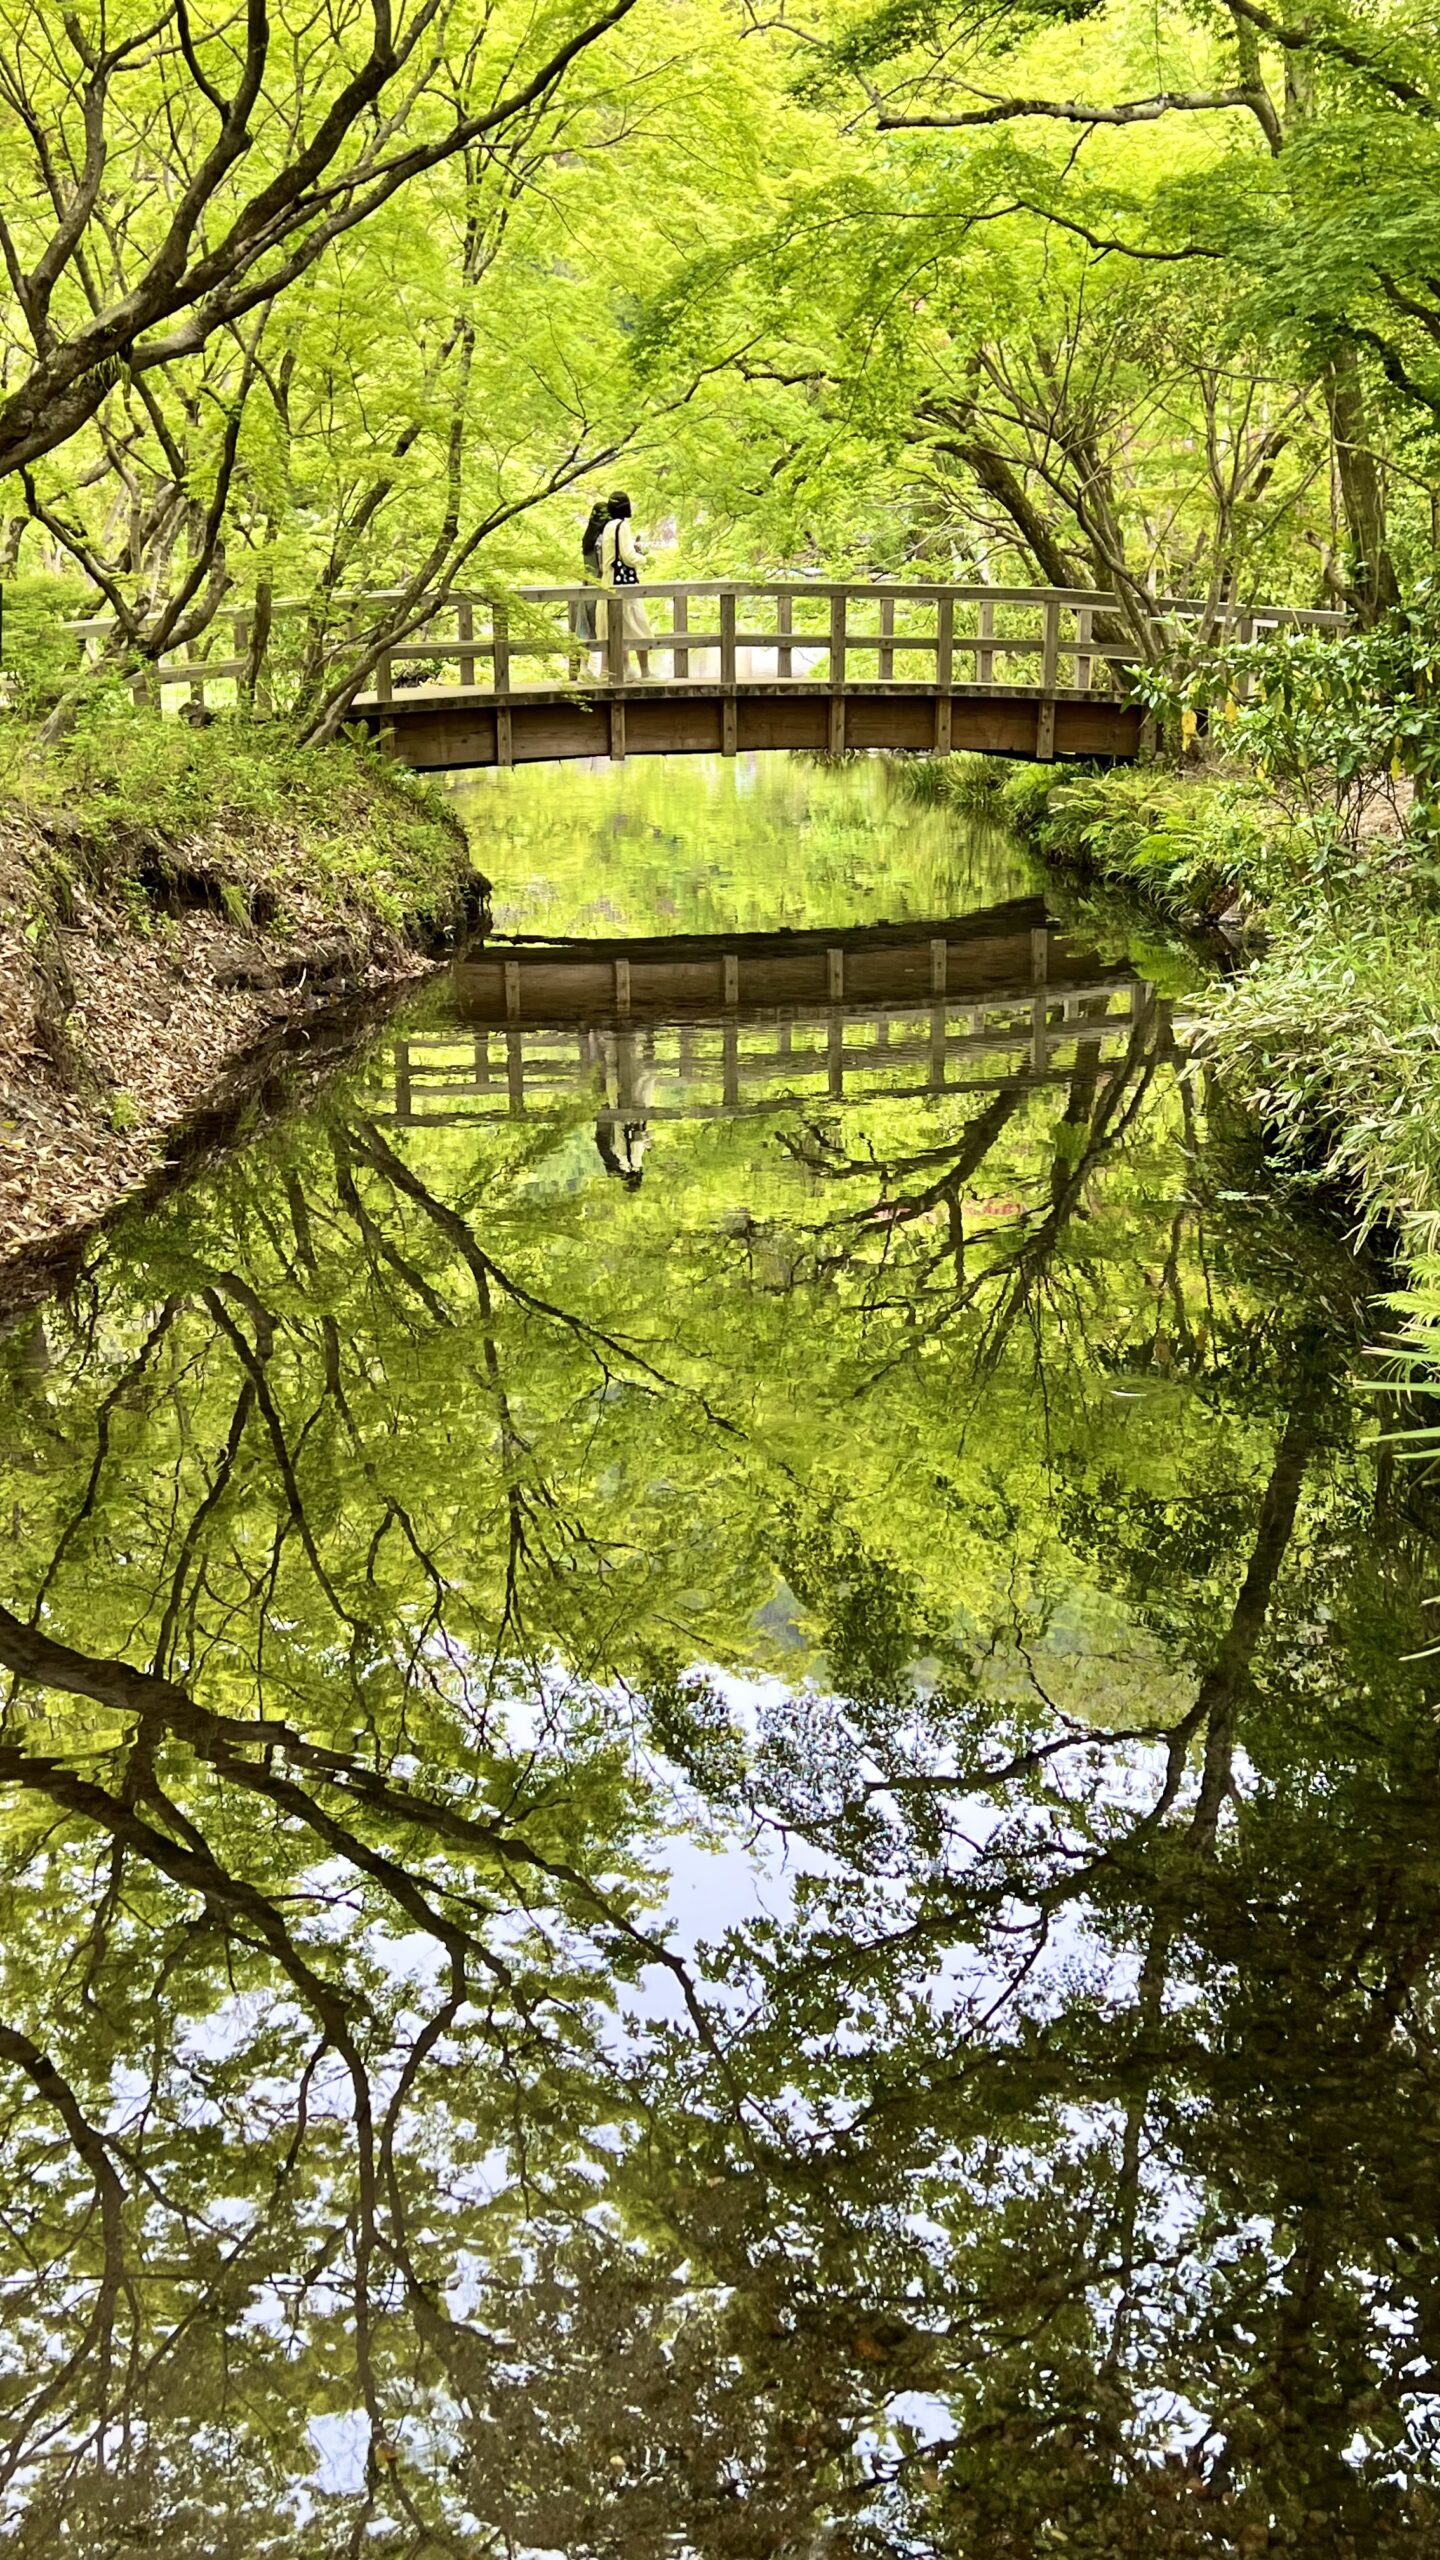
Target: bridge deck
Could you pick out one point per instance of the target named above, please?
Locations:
(435, 730)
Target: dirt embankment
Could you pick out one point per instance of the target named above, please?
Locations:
(142, 965)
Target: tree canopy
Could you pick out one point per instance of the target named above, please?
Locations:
(1060, 293)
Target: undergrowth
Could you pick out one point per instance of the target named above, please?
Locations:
(1187, 845)
(305, 830)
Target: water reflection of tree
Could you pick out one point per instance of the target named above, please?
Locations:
(1084, 2093)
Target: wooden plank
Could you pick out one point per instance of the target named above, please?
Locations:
(835, 975)
(784, 622)
(504, 735)
(984, 657)
(939, 965)
(728, 725)
(465, 627)
(617, 732)
(730, 977)
(837, 640)
(727, 646)
(1050, 657)
(680, 658)
(945, 644)
(887, 634)
(622, 986)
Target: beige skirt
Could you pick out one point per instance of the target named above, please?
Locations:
(634, 630)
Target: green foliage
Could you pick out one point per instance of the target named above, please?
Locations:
(1342, 727)
(39, 657)
(1331, 1037)
(307, 832)
(1185, 844)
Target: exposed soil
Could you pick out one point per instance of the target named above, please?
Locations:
(129, 1006)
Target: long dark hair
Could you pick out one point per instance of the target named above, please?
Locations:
(590, 541)
(617, 504)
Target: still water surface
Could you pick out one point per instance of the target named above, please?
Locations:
(713, 1832)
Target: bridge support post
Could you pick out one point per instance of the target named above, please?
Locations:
(727, 673)
(617, 732)
(944, 672)
(1049, 679)
(984, 657)
(1039, 972)
(937, 1048)
(836, 735)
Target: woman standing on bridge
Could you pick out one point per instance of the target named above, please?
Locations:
(621, 556)
(585, 616)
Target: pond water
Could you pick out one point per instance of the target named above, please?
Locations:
(715, 1832)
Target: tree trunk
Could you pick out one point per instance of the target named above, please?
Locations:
(1373, 585)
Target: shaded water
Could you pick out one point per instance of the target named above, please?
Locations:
(713, 1833)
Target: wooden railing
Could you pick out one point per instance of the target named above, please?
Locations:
(723, 635)
(726, 1070)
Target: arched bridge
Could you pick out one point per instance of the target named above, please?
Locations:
(735, 665)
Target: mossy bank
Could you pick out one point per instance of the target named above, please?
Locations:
(173, 901)
(1326, 1023)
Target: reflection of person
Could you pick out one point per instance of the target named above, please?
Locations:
(621, 1134)
(585, 613)
(627, 1157)
(621, 556)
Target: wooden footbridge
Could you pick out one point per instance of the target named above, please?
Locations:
(734, 666)
(712, 1027)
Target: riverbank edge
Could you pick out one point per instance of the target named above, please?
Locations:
(177, 910)
(1327, 1028)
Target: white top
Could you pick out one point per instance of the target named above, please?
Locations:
(618, 542)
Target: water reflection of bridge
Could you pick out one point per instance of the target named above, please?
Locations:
(708, 1027)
